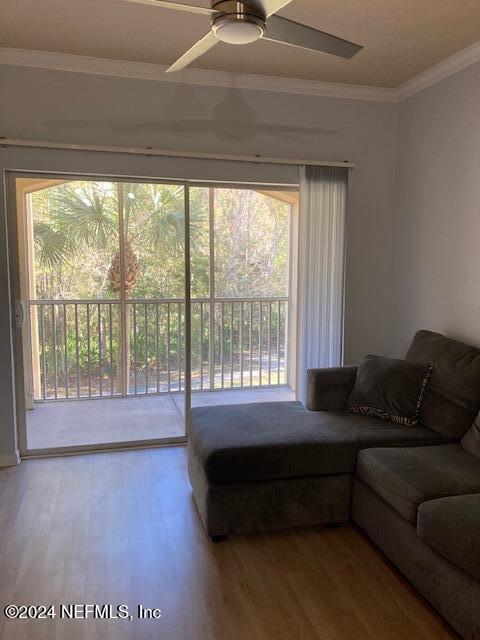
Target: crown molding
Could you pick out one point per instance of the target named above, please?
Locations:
(204, 77)
(444, 69)
(156, 73)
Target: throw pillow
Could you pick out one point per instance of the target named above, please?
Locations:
(389, 389)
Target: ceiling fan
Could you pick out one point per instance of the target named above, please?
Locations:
(237, 22)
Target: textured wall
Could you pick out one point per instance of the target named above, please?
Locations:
(436, 267)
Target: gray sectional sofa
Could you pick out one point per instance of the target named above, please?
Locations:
(414, 490)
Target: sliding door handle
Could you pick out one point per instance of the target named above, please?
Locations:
(20, 313)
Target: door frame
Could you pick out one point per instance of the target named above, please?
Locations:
(21, 343)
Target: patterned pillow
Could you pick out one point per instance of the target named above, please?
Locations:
(389, 389)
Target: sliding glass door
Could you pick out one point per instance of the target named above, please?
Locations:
(114, 341)
(240, 266)
(102, 268)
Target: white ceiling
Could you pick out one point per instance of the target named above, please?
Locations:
(402, 38)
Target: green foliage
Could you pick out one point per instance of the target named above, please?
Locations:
(251, 244)
(87, 214)
(76, 238)
(52, 245)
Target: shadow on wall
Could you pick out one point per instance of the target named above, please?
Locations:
(184, 114)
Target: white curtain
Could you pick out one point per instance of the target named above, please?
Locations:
(321, 269)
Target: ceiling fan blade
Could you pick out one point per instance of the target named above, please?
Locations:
(298, 35)
(198, 49)
(268, 7)
(177, 6)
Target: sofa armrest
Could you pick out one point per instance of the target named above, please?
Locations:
(451, 527)
(328, 389)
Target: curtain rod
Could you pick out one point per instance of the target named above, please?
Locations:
(147, 151)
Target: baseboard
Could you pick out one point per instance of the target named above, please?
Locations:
(10, 459)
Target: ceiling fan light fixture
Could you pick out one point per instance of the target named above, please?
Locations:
(238, 29)
(244, 22)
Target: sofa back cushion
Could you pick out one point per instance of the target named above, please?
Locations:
(452, 398)
(471, 440)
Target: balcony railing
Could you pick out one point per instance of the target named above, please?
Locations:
(99, 348)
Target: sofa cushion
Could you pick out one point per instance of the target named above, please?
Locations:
(406, 477)
(451, 527)
(452, 398)
(389, 389)
(244, 443)
(471, 440)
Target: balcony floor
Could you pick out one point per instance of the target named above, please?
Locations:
(75, 423)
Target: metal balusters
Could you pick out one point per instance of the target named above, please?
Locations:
(211, 345)
(231, 344)
(201, 346)
(145, 337)
(65, 349)
(260, 338)
(278, 340)
(68, 340)
(179, 348)
(89, 356)
(44, 359)
(269, 317)
(77, 350)
(157, 343)
(250, 330)
(222, 375)
(54, 333)
(169, 375)
(241, 344)
(100, 357)
(110, 346)
(135, 374)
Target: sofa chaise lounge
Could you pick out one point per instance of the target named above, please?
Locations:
(414, 490)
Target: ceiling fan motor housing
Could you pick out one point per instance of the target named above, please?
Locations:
(238, 23)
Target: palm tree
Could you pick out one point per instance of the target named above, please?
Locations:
(86, 214)
(77, 216)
